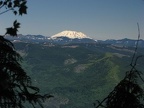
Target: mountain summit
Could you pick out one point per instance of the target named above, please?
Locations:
(70, 34)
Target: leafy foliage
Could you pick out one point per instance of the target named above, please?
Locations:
(17, 7)
(15, 84)
(127, 94)
(13, 30)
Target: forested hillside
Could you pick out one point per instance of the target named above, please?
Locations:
(76, 74)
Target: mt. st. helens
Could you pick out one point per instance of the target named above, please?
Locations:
(70, 34)
(66, 37)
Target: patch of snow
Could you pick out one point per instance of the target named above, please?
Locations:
(70, 34)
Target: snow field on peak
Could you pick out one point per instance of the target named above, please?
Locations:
(70, 34)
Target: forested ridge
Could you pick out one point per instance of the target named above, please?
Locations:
(79, 74)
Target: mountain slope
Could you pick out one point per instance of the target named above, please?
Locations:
(79, 73)
(70, 34)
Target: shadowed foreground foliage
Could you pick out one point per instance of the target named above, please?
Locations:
(15, 84)
(128, 93)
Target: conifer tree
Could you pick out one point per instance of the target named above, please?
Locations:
(15, 84)
(128, 93)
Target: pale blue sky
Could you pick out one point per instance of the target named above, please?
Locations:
(99, 19)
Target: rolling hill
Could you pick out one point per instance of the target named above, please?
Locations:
(76, 74)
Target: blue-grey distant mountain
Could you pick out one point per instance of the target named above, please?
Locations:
(57, 39)
(28, 38)
(65, 37)
(124, 42)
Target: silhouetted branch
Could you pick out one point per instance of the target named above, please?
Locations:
(127, 93)
(136, 47)
(100, 103)
(15, 84)
(6, 11)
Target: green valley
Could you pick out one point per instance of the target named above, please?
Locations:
(76, 74)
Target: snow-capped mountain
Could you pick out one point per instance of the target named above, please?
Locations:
(72, 37)
(67, 36)
(70, 34)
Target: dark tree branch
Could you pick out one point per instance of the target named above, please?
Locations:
(1, 6)
(136, 47)
(6, 11)
(15, 84)
(127, 89)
